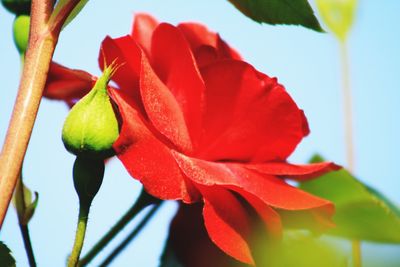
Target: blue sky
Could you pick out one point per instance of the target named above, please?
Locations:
(306, 62)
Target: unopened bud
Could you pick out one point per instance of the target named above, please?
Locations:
(91, 127)
(21, 32)
(18, 7)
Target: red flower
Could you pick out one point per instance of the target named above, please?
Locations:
(201, 125)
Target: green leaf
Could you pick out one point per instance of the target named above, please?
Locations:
(30, 210)
(23, 202)
(338, 15)
(361, 212)
(75, 12)
(21, 198)
(6, 259)
(295, 12)
(61, 4)
(58, 6)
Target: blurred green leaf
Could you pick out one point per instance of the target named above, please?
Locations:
(295, 12)
(302, 249)
(361, 212)
(6, 259)
(338, 15)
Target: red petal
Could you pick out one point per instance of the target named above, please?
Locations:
(146, 158)
(270, 217)
(163, 109)
(292, 171)
(198, 35)
(175, 65)
(271, 190)
(227, 223)
(248, 116)
(190, 242)
(205, 55)
(127, 55)
(67, 84)
(142, 30)
(306, 128)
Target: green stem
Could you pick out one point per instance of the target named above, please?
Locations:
(356, 248)
(143, 201)
(131, 236)
(80, 235)
(28, 244)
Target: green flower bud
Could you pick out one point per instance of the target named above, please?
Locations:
(21, 32)
(91, 126)
(88, 176)
(18, 7)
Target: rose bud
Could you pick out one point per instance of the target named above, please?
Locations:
(91, 126)
(21, 32)
(18, 7)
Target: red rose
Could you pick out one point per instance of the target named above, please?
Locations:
(201, 125)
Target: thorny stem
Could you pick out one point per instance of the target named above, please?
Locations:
(20, 198)
(43, 38)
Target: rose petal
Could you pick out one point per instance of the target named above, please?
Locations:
(126, 55)
(142, 30)
(163, 109)
(227, 223)
(293, 171)
(306, 128)
(198, 35)
(271, 190)
(205, 55)
(190, 242)
(146, 158)
(248, 116)
(175, 65)
(270, 217)
(67, 84)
